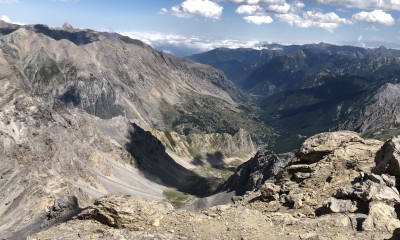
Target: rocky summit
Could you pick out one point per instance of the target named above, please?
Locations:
(103, 137)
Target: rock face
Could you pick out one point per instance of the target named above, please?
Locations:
(388, 158)
(252, 174)
(215, 149)
(379, 114)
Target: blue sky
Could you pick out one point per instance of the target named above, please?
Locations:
(187, 26)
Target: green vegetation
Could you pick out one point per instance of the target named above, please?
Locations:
(176, 198)
(384, 133)
(46, 73)
(212, 115)
(170, 139)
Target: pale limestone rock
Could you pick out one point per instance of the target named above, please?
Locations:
(381, 217)
(340, 205)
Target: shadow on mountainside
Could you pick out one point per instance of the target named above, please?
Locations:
(152, 159)
(215, 160)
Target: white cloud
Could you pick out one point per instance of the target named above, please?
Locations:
(360, 41)
(258, 20)
(9, 1)
(163, 11)
(364, 4)
(279, 8)
(7, 19)
(328, 21)
(193, 44)
(248, 9)
(204, 8)
(376, 16)
(258, 14)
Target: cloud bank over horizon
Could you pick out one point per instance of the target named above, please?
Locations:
(292, 12)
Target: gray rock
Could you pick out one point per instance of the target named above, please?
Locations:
(388, 158)
(126, 211)
(270, 192)
(367, 191)
(381, 217)
(376, 178)
(340, 205)
(316, 147)
(295, 199)
(252, 174)
(389, 180)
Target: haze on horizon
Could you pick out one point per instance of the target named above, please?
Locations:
(184, 27)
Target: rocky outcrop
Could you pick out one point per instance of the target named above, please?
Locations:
(252, 174)
(388, 158)
(316, 147)
(379, 115)
(133, 213)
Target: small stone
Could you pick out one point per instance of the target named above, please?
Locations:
(340, 206)
(270, 192)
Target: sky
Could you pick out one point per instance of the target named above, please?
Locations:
(184, 27)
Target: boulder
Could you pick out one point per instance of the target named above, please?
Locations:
(270, 192)
(388, 158)
(296, 200)
(316, 147)
(368, 190)
(340, 205)
(251, 175)
(381, 217)
(133, 213)
(62, 206)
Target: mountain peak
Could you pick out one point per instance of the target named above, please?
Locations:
(67, 26)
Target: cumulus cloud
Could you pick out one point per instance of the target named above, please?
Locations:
(364, 4)
(291, 11)
(259, 14)
(7, 19)
(328, 21)
(190, 8)
(163, 11)
(249, 9)
(376, 16)
(258, 20)
(279, 8)
(187, 45)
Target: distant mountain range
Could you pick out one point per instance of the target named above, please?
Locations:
(306, 89)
